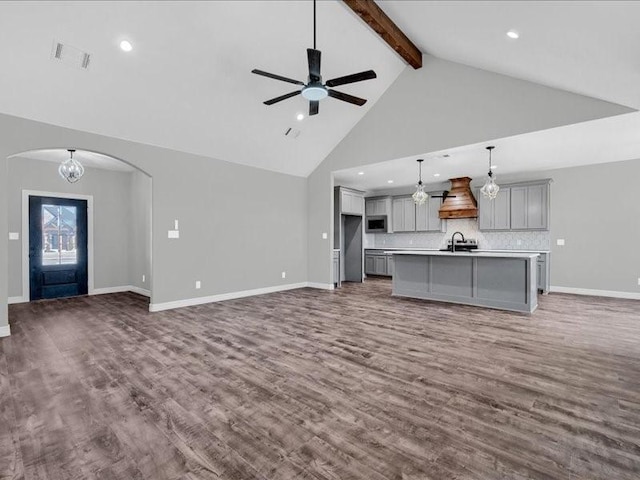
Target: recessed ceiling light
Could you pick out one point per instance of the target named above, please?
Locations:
(126, 46)
(513, 34)
(360, 173)
(389, 181)
(300, 117)
(494, 166)
(436, 174)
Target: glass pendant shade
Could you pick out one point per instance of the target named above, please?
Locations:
(71, 170)
(420, 196)
(490, 188)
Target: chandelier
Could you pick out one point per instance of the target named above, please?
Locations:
(420, 196)
(71, 169)
(490, 188)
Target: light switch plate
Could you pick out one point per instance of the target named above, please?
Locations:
(198, 284)
(174, 234)
(14, 236)
(560, 242)
(324, 236)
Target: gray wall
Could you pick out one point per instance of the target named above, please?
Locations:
(112, 217)
(596, 211)
(140, 231)
(240, 227)
(443, 105)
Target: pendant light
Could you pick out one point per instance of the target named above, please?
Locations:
(71, 170)
(420, 196)
(490, 188)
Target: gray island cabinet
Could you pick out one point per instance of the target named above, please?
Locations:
(506, 281)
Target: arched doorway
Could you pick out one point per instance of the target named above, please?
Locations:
(46, 249)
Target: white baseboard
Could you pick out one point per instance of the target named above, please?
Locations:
(322, 286)
(158, 307)
(12, 300)
(596, 293)
(5, 330)
(102, 291)
(120, 289)
(140, 291)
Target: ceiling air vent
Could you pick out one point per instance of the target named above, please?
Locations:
(70, 56)
(292, 133)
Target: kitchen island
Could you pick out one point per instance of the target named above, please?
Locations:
(502, 280)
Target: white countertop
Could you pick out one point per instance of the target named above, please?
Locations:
(412, 249)
(477, 253)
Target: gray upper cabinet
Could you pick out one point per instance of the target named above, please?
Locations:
(351, 202)
(517, 207)
(537, 207)
(495, 214)
(428, 216)
(530, 207)
(378, 206)
(404, 214)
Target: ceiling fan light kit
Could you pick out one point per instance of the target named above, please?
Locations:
(314, 90)
(490, 188)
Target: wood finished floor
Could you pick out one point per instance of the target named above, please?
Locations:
(309, 384)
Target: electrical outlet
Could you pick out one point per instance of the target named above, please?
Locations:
(174, 234)
(198, 284)
(144, 278)
(14, 235)
(284, 274)
(325, 236)
(560, 242)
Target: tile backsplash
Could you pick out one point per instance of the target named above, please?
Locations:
(469, 228)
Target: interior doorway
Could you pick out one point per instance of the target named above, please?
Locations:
(58, 247)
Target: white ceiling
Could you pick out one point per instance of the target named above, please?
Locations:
(187, 85)
(606, 140)
(87, 159)
(587, 47)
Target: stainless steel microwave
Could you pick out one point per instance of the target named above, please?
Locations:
(376, 224)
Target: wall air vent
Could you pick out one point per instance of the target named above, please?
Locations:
(292, 133)
(70, 56)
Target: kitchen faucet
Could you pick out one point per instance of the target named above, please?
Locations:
(453, 240)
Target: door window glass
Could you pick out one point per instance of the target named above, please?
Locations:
(59, 235)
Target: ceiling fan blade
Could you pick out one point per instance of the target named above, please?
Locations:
(282, 97)
(276, 77)
(347, 98)
(314, 64)
(356, 77)
(313, 107)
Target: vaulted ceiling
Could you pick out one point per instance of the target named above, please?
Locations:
(187, 83)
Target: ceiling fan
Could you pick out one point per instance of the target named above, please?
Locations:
(314, 90)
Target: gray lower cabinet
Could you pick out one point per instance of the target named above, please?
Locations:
(377, 262)
(336, 268)
(544, 267)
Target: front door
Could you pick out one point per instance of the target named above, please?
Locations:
(57, 247)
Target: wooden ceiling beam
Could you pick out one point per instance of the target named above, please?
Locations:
(373, 16)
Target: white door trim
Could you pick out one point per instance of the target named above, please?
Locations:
(26, 287)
